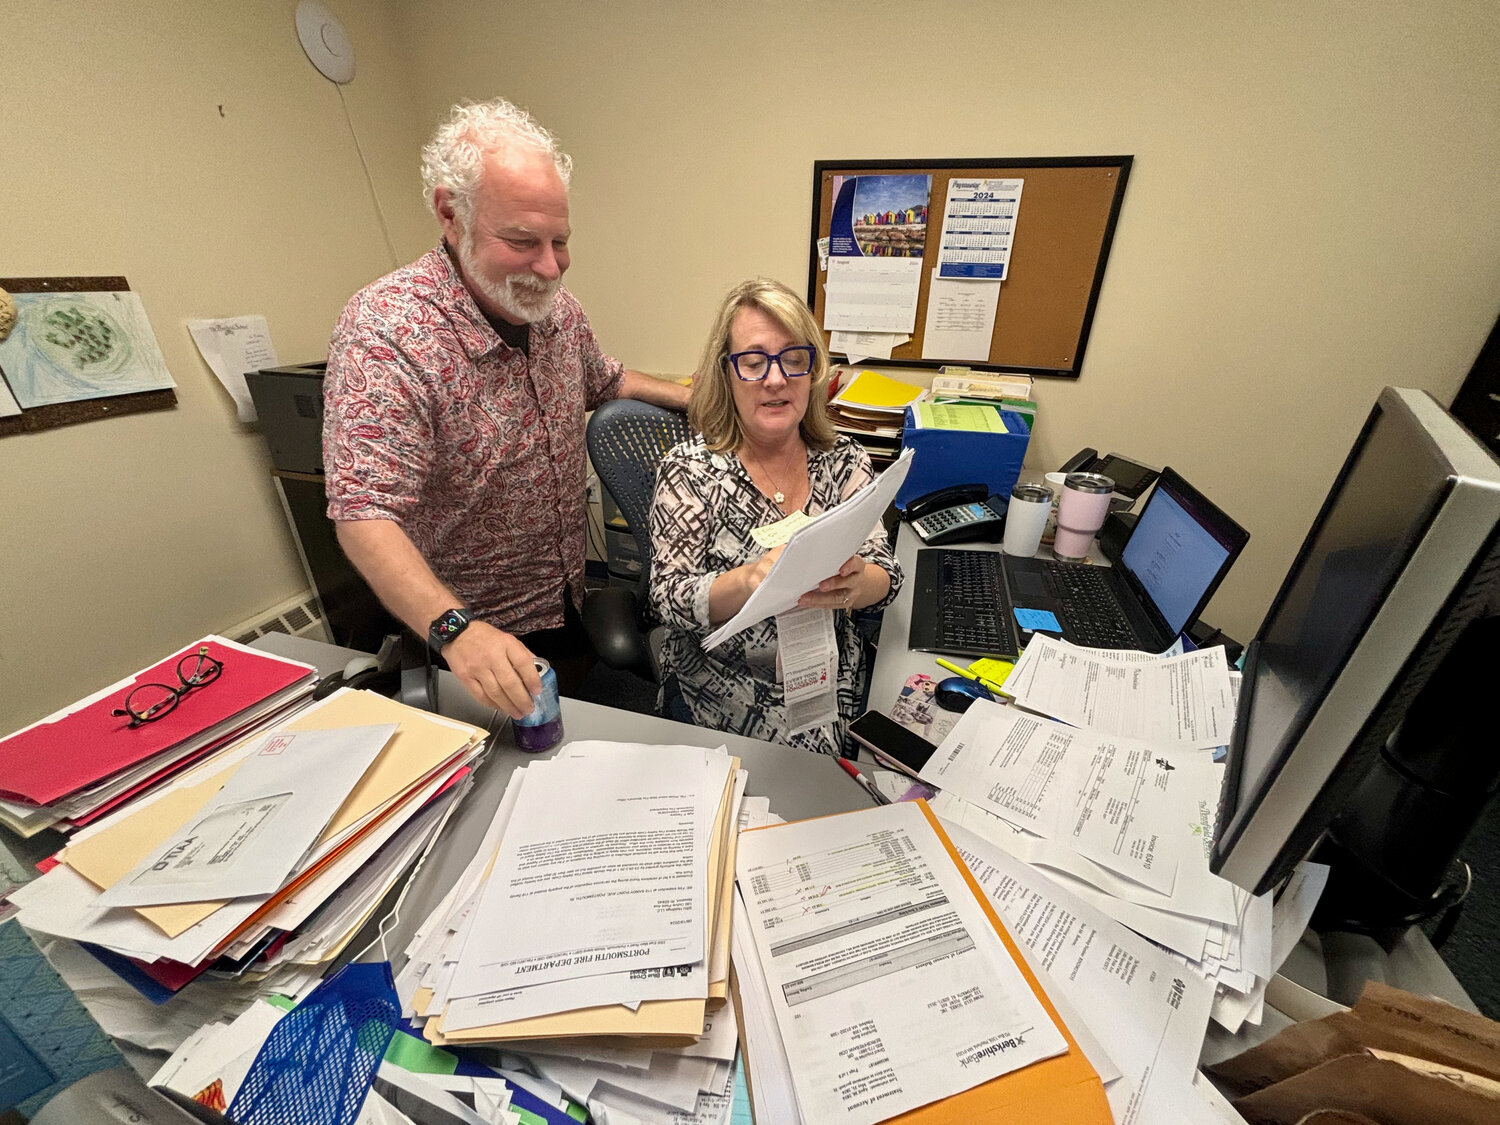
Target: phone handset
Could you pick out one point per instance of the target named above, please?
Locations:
(958, 514)
(1080, 462)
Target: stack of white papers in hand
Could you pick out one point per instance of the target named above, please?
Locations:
(262, 863)
(597, 905)
(819, 547)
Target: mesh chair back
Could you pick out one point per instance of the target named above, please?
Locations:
(626, 441)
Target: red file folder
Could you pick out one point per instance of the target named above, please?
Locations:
(47, 762)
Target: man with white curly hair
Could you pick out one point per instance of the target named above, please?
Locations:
(453, 428)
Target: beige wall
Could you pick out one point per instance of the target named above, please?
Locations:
(121, 539)
(1312, 214)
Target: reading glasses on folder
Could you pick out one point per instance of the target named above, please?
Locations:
(148, 702)
(794, 361)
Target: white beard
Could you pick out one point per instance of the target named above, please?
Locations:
(520, 295)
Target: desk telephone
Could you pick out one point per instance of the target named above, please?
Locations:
(1131, 478)
(961, 513)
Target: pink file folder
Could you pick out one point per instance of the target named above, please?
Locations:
(53, 759)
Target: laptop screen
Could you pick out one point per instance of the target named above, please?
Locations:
(1179, 550)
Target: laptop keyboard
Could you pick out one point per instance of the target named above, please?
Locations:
(1094, 617)
(960, 604)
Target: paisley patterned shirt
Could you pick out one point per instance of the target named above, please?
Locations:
(701, 518)
(472, 446)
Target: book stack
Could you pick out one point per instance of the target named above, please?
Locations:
(260, 864)
(590, 934)
(870, 408)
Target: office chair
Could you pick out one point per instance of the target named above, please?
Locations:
(626, 441)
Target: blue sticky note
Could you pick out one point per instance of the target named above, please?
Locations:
(1038, 620)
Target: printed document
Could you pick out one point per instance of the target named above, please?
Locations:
(606, 858)
(232, 346)
(1179, 702)
(251, 835)
(960, 318)
(1109, 799)
(816, 551)
(890, 987)
(872, 294)
(1147, 1009)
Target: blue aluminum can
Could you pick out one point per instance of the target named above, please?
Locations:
(543, 728)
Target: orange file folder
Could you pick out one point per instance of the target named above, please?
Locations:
(1063, 1090)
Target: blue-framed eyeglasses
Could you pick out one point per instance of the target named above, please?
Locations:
(794, 361)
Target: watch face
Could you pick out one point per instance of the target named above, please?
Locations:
(448, 626)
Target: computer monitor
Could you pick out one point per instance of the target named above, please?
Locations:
(1401, 559)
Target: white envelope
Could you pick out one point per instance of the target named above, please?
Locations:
(252, 834)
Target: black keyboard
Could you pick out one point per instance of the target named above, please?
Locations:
(959, 605)
(1094, 617)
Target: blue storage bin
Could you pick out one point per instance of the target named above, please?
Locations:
(948, 457)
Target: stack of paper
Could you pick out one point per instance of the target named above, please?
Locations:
(264, 862)
(76, 765)
(870, 408)
(1116, 802)
(591, 932)
(876, 981)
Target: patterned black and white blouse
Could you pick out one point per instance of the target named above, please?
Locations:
(702, 517)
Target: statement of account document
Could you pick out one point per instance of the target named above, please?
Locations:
(1107, 798)
(890, 987)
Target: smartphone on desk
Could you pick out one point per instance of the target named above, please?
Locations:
(893, 745)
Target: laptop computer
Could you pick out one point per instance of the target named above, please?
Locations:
(1179, 551)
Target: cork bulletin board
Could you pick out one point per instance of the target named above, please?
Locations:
(105, 404)
(1064, 226)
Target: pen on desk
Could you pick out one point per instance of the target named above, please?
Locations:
(948, 664)
(864, 783)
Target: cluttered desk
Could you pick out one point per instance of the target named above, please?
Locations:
(1047, 936)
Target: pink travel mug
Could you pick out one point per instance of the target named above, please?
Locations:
(1080, 513)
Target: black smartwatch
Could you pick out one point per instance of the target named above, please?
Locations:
(446, 627)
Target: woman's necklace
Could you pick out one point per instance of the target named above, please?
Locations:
(778, 495)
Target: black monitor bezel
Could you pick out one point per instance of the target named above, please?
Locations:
(1354, 762)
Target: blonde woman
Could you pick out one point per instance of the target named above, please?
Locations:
(766, 450)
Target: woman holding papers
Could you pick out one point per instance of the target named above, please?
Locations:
(767, 460)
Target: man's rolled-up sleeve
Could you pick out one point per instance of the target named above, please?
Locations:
(377, 430)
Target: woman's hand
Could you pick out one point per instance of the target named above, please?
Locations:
(755, 573)
(856, 585)
(732, 589)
